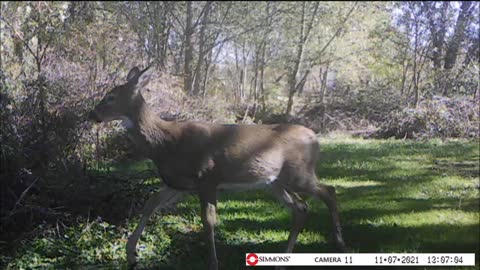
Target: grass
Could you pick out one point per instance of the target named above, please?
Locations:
(394, 196)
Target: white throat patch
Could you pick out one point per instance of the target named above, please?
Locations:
(127, 123)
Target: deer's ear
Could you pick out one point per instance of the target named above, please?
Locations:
(133, 73)
(143, 80)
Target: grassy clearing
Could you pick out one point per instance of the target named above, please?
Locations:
(395, 196)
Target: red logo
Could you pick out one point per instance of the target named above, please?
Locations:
(252, 259)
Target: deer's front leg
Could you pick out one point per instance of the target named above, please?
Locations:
(208, 201)
(162, 199)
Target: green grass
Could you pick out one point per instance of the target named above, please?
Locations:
(394, 196)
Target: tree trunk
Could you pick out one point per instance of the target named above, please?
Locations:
(263, 48)
(292, 70)
(262, 76)
(255, 77)
(244, 72)
(188, 76)
(414, 78)
(201, 50)
(208, 61)
(438, 30)
(404, 78)
(323, 82)
(165, 31)
(458, 36)
(237, 71)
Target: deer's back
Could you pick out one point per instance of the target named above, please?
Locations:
(238, 154)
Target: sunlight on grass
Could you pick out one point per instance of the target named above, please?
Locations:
(346, 183)
(268, 235)
(423, 218)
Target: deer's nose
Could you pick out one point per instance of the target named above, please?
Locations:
(94, 117)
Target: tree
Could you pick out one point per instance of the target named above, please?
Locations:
(307, 16)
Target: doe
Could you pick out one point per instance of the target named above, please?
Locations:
(205, 158)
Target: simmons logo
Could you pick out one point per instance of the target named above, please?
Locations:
(253, 259)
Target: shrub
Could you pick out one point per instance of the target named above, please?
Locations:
(439, 117)
(345, 111)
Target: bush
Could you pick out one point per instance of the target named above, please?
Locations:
(346, 111)
(439, 117)
(38, 141)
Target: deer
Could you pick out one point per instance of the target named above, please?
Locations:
(201, 158)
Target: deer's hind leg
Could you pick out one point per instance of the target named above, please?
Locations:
(299, 212)
(326, 194)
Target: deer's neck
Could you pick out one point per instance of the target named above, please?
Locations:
(145, 128)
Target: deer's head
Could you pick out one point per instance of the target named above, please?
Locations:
(121, 101)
